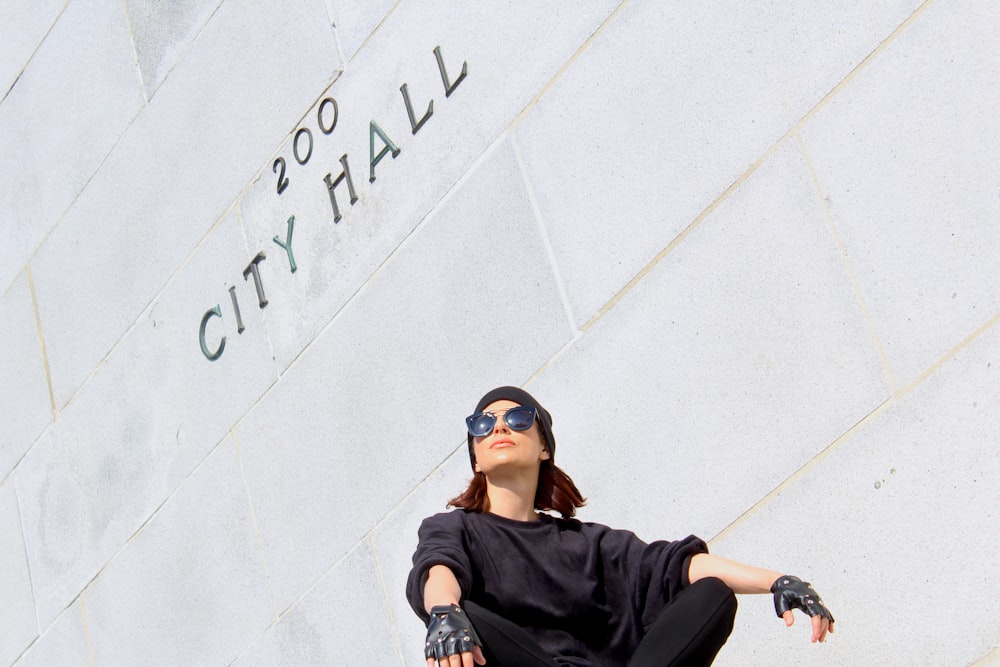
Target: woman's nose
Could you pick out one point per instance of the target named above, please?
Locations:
(501, 425)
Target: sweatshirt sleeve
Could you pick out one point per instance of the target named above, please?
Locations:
(441, 541)
(669, 563)
(676, 558)
(651, 573)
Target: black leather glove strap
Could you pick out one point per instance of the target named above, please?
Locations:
(793, 593)
(449, 633)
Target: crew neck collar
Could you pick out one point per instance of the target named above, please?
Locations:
(539, 519)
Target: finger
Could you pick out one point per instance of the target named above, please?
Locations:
(831, 626)
(467, 659)
(819, 626)
(455, 660)
(477, 655)
(431, 662)
(789, 617)
(826, 629)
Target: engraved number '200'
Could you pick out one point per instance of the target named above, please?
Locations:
(302, 144)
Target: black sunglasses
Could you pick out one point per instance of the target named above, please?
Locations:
(518, 418)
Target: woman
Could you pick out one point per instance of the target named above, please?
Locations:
(502, 584)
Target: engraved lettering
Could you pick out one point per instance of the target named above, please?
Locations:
(386, 148)
(282, 179)
(295, 145)
(211, 356)
(287, 245)
(236, 310)
(332, 183)
(319, 115)
(449, 88)
(414, 124)
(327, 115)
(252, 269)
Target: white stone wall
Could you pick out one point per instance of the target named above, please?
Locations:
(747, 253)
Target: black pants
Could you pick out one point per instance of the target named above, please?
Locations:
(689, 632)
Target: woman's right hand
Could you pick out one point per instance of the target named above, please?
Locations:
(442, 592)
(451, 639)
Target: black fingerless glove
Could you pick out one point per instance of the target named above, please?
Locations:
(793, 593)
(449, 633)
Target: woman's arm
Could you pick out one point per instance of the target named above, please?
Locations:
(441, 587)
(741, 578)
(749, 579)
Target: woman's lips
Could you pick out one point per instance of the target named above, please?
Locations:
(501, 443)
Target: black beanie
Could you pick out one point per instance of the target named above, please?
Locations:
(521, 397)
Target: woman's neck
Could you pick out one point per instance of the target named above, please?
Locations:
(512, 499)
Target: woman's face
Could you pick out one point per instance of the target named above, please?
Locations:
(504, 449)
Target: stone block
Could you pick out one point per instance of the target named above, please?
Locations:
(63, 643)
(361, 416)
(17, 613)
(142, 423)
(23, 29)
(665, 109)
(162, 32)
(57, 125)
(25, 406)
(906, 156)
(903, 510)
(356, 21)
(213, 122)
(335, 258)
(342, 619)
(738, 358)
(191, 587)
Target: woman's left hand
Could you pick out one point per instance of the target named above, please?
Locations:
(793, 593)
(820, 625)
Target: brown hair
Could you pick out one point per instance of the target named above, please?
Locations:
(556, 491)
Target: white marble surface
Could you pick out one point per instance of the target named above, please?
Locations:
(326, 627)
(25, 407)
(23, 29)
(192, 586)
(161, 33)
(737, 359)
(70, 106)
(64, 643)
(356, 21)
(906, 157)
(665, 110)
(17, 613)
(139, 427)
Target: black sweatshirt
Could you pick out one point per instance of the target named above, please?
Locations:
(587, 593)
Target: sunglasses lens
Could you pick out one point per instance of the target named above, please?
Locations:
(520, 419)
(480, 424)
